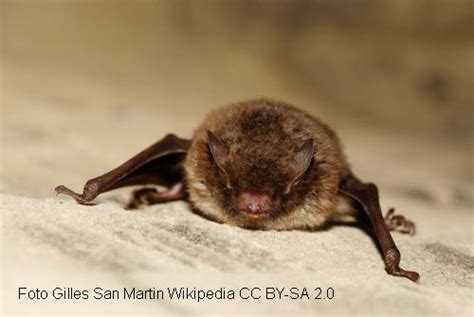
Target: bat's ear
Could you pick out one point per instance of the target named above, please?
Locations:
(218, 149)
(303, 157)
(301, 161)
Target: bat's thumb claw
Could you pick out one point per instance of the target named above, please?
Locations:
(416, 278)
(60, 189)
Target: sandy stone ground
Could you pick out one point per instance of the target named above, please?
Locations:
(87, 85)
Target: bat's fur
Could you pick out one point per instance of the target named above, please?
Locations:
(262, 137)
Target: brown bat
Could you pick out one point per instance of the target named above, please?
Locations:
(260, 164)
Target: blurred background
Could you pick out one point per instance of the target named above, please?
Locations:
(86, 84)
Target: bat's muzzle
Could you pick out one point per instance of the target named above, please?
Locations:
(255, 205)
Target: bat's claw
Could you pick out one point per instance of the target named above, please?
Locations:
(149, 196)
(142, 197)
(399, 223)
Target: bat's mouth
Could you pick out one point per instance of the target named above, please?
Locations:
(255, 214)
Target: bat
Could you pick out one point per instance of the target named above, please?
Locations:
(259, 164)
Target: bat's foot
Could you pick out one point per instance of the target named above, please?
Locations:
(142, 197)
(399, 223)
(150, 196)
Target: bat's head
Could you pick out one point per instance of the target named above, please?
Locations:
(258, 180)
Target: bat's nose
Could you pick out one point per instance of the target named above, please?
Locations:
(254, 205)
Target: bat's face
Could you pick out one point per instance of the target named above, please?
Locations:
(259, 184)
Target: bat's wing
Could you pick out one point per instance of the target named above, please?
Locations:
(161, 164)
(367, 196)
